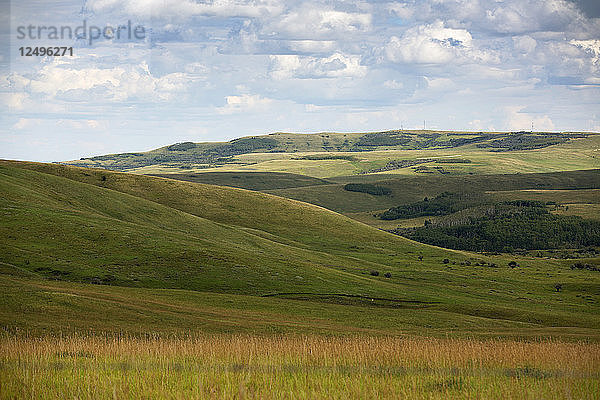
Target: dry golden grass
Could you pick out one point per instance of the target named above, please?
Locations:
(236, 367)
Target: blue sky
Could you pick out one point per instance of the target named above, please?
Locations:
(216, 70)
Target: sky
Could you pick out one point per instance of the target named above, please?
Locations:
(222, 69)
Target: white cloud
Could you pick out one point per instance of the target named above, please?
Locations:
(14, 101)
(24, 123)
(524, 44)
(245, 103)
(117, 84)
(520, 121)
(498, 16)
(312, 46)
(335, 66)
(440, 84)
(430, 44)
(186, 8)
(531, 15)
(312, 21)
(393, 84)
(592, 47)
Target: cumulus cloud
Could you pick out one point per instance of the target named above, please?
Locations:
(310, 21)
(592, 47)
(14, 101)
(117, 84)
(517, 120)
(245, 103)
(336, 66)
(506, 17)
(532, 15)
(430, 44)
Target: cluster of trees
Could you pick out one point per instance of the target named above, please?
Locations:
(244, 145)
(383, 139)
(368, 188)
(526, 141)
(589, 267)
(508, 227)
(185, 146)
(443, 204)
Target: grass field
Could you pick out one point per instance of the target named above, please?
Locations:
(292, 367)
(116, 285)
(40, 307)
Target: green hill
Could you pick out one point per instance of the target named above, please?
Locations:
(408, 189)
(69, 232)
(421, 152)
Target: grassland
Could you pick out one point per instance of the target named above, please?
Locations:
(141, 235)
(37, 307)
(291, 367)
(116, 285)
(223, 281)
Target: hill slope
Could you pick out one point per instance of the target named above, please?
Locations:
(92, 226)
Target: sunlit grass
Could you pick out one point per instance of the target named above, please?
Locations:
(296, 367)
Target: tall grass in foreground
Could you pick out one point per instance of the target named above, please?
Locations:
(296, 367)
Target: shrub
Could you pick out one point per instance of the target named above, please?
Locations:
(558, 287)
(579, 265)
(375, 273)
(388, 275)
(445, 261)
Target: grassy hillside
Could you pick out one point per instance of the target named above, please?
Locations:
(336, 154)
(408, 189)
(260, 181)
(64, 229)
(75, 240)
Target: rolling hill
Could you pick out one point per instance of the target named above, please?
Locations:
(184, 255)
(325, 155)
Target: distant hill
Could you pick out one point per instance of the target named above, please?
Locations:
(189, 155)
